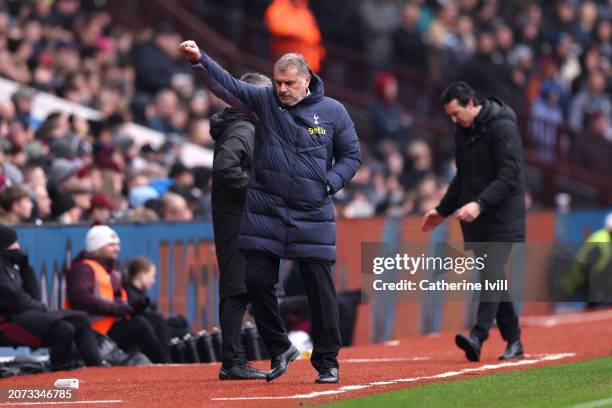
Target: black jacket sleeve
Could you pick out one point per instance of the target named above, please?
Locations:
(508, 154)
(450, 201)
(30, 282)
(234, 150)
(14, 299)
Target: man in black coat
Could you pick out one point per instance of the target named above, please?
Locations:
(487, 197)
(24, 319)
(234, 135)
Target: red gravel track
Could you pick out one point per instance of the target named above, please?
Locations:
(587, 335)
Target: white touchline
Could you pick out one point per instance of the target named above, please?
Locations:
(64, 402)
(348, 388)
(593, 404)
(551, 321)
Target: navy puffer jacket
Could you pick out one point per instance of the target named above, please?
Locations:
(299, 151)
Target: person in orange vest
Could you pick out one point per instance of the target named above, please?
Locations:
(293, 28)
(94, 286)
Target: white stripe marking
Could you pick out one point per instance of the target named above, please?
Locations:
(347, 388)
(551, 321)
(64, 402)
(593, 404)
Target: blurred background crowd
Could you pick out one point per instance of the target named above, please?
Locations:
(551, 58)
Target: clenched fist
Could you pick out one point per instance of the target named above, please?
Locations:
(190, 50)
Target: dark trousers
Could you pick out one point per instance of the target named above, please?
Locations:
(231, 312)
(137, 331)
(495, 305)
(72, 329)
(161, 329)
(60, 331)
(262, 276)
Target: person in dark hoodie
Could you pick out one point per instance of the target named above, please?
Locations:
(234, 135)
(487, 197)
(25, 320)
(306, 151)
(94, 285)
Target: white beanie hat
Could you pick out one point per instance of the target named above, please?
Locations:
(608, 222)
(99, 236)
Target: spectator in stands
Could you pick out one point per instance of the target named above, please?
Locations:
(165, 106)
(389, 118)
(22, 99)
(603, 37)
(157, 61)
(439, 30)
(458, 47)
(102, 208)
(419, 164)
(42, 204)
(175, 208)
(94, 286)
(16, 205)
(409, 48)
(485, 73)
(139, 279)
(25, 320)
(293, 28)
(591, 101)
(64, 210)
(584, 28)
(380, 19)
(199, 133)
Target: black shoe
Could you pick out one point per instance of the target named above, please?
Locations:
(469, 344)
(281, 363)
(514, 351)
(241, 372)
(328, 376)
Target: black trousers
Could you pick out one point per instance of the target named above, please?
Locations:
(231, 313)
(495, 304)
(60, 331)
(262, 276)
(161, 330)
(137, 331)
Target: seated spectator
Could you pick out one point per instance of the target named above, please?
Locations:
(175, 208)
(94, 286)
(590, 101)
(138, 281)
(101, 209)
(25, 320)
(42, 204)
(64, 210)
(16, 205)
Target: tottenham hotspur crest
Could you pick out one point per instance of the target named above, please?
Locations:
(316, 119)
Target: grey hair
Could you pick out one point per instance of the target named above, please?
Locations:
(293, 59)
(257, 79)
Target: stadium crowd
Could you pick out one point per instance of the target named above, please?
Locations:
(554, 58)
